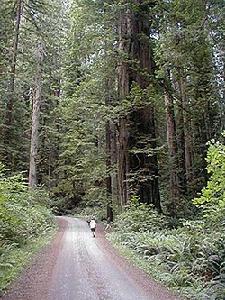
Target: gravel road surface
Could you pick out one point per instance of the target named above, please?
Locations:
(77, 266)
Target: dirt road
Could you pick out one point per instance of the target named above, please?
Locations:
(77, 266)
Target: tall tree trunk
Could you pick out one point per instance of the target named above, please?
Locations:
(173, 155)
(114, 171)
(142, 119)
(108, 169)
(187, 133)
(7, 131)
(111, 163)
(123, 90)
(137, 129)
(36, 117)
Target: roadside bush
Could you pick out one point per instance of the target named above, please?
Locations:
(212, 198)
(24, 222)
(189, 258)
(21, 216)
(140, 218)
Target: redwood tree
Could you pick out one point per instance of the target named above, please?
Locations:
(138, 171)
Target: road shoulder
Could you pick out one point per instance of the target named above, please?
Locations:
(33, 282)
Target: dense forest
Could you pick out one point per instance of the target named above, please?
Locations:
(117, 108)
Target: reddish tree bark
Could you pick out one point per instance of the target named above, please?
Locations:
(173, 154)
(139, 126)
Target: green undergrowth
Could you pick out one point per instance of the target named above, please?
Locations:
(26, 222)
(14, 259)
(190, 259)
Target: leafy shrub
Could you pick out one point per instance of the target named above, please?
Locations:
(189, 258)
(21, 215)
(140, 218)
(212, 198)
(24, 217)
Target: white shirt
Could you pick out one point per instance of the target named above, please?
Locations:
(92, 224)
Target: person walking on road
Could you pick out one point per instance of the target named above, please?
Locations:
(93, 226)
